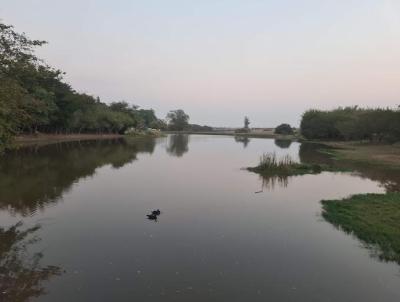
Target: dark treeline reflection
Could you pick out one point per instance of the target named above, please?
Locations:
(177, 144)
(388, 178)
(21, 274)
(283, 143)
(32, 177)
(242, 139)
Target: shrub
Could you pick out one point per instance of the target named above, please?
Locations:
(352, 123)
(242, 130)
(284, 129)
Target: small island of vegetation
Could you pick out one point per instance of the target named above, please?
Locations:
(271, 165)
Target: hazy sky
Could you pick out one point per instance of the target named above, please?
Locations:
(222, 59)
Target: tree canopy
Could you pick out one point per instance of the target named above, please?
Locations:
(246, 122)
(284, 129)
(352, 123)
(34, 97)
(178, 120)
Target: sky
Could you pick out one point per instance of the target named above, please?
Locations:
(220, 60)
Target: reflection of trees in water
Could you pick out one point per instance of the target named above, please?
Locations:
(21, 274)
(283, 143)
(177, 144)
(32, 177)
(242, 139)
(310, 153)
(388, 178)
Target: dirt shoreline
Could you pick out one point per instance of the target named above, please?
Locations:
(382, 154)
(23, 140)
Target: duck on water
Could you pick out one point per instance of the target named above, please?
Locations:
(154, 214)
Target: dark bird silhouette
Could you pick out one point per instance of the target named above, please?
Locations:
(156, 212)
(152, 217)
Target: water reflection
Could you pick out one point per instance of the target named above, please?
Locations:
(283, 143)
(311, 153)
(32, 177)
(388, 178)
(242, 139)
(177, 144)
(21, 275)
(271, 182)
(216, 242)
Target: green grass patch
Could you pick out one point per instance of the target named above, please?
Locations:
(373, 218)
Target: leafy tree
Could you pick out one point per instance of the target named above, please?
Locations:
(178, 120)
(159, 124)
(284, 129)
(147, 117)
(352, 123)
(34, 98)
(246, 122)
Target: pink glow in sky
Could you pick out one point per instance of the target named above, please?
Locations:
(221, 60)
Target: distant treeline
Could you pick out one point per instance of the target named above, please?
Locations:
(34, 98)
(352, 123)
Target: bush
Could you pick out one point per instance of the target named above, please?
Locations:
(352, 123)
(199, 128)
(242, 130)
(284, 129)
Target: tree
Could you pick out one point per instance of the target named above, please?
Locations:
(34, 98)
(178, 120)
(16, 58)
(352, 123)
(284, 129)
(246, 122)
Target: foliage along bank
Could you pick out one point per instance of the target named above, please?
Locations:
(34, 98)
(352, 123)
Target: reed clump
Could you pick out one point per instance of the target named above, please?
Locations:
(270, 164)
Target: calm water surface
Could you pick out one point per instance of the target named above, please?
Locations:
(74, 228)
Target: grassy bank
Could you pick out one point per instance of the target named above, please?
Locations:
(373, 218)
(270, 165)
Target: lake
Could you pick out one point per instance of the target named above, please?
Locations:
(74, 226)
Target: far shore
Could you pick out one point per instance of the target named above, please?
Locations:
(23, 140)
(252, 134)
(356, 151)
